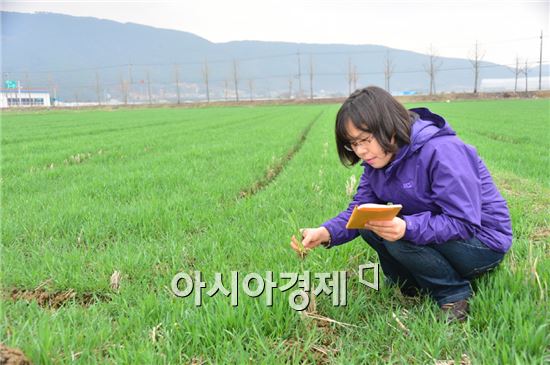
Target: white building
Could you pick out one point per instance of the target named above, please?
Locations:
(24, 98)
(508, 84)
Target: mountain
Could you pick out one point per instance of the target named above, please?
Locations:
(81, 57)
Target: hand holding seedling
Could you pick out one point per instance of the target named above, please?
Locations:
(311, 238)
(298, 247)
(389, 230)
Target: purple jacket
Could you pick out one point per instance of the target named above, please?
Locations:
(445, 188)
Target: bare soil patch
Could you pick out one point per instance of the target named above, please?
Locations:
(541, 234)
(12, 356)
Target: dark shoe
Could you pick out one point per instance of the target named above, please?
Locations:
(457, 311)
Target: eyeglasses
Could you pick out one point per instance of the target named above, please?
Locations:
(354, 146)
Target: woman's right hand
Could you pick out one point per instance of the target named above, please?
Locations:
(313, 237)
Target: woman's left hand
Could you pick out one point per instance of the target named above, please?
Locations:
(389, 230)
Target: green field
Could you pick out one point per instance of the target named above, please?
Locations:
(154, 192)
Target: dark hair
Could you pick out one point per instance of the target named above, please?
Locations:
(373, 110)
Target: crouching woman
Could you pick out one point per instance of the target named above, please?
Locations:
(454, 225)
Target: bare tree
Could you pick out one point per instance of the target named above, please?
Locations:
(540, 63)
(225, 89)
(355, 77)
(290, 87)
(299, 76)
(206, 82)
(475, 61)
(130, 75)
(130, 81)
(434, 63)
(251, 87)
(177, 75)
(124, 89)
(526, 73)
(97, 87)
(236, 79)
(350, 75)
(310, 77)
(149, 88)
(517, 72)
(388, 70)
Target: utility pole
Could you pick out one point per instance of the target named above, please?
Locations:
(18, 93)
(51, 88)
(236, 80)
(177, 74)
(311, 77)
(28, 86)
(54, 94)
(205, 75)
(149, 87)
(97, 88)
(476, 63)
(352, 76)
(540, 62)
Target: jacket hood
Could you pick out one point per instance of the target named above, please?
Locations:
(428, 125)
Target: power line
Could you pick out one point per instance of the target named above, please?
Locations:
(285, 76)
(245, 59)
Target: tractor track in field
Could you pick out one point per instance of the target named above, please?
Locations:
(54, 299)
(274, 170)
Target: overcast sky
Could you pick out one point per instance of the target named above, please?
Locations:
(503, 28)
